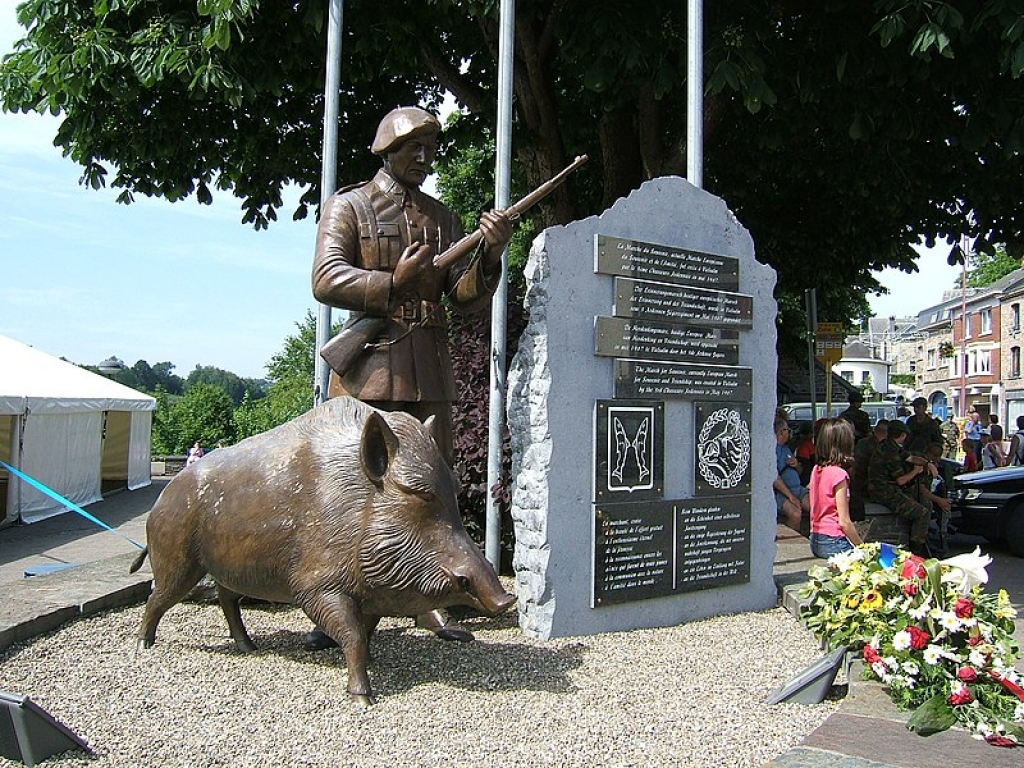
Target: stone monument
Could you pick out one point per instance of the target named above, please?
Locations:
(640, 405)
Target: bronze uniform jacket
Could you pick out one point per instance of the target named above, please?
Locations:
(356, 251)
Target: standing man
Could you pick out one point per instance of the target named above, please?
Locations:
(922, 428)
(950, 436)
(853, 414)
(375, 247)
(972, 433)
(891, 483)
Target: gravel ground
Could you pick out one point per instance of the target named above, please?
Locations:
(689, 695)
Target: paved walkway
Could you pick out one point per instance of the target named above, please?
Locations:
(865, 732)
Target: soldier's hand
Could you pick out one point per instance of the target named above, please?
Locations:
(497, 230)
(414, 273)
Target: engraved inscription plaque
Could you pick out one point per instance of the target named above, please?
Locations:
(657, 548)
(642, 378)
(651, 261)
(633, 552)
(629, 450)
(650, 340)
(712, 542)
(680, 304)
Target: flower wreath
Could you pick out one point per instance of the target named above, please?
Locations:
(940, 644)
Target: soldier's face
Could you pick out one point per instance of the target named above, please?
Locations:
(413, 161)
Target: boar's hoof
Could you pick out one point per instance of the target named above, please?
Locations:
(455, 632)
(245, 645)
(144, 643)
(362, 699)
(442, 626)
(318, 640)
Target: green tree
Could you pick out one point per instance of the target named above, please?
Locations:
(236, 387)
(987, 267)
(290, 393)
(841, 130)
(204, 413)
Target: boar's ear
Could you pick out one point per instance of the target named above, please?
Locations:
(431, 426)
(377, 447)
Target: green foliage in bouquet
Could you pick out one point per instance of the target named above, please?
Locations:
(940, 644)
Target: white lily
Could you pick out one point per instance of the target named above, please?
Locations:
(966, 571)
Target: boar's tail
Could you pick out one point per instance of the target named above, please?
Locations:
(139, 560)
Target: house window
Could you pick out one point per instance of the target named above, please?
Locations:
(984, 361)
(1015, 317)
(865, 377)
(912, 366)
(1014, 362)
(986, 321)
(848, 375)
(933, 358)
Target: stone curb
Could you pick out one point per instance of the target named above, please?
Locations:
(44, 603)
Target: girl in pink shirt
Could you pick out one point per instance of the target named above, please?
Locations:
(832, 531)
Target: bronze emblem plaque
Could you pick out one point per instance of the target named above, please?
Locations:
(629, 460)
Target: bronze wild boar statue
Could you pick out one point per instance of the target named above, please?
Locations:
(345, 511)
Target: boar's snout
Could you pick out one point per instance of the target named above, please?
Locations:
(482, 585)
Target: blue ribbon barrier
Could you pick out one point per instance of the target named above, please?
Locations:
(65, 502)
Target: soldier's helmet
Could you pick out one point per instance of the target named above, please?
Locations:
(400, 125)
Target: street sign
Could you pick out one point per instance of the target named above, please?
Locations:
(828, 343)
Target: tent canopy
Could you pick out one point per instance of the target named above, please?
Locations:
(75, 431)
(33, 380)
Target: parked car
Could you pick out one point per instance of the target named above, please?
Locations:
(990, 503)
(800, 413)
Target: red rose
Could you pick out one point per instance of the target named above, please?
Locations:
(871, 655)
(919, 639)
(913, 568)
(998, 740)
(910, 588)
(967, 674)
(961, 697)
(974, 640)
(964, 608)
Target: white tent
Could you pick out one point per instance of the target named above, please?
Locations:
(72, 430)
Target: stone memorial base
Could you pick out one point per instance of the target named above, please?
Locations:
(640, 406)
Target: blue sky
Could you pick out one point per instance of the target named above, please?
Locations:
(85, 277)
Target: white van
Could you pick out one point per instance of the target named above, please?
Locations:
(800, 413)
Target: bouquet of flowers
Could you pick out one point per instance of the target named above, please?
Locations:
(942, 646)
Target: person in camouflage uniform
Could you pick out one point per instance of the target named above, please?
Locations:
(862, 453)
(950, 437)
(853, 414)
(890, 484)
(922, 428)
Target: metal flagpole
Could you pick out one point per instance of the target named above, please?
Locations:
(328, 179)
(695, 93)
(499, 311)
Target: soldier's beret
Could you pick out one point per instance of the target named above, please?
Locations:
(402, 124)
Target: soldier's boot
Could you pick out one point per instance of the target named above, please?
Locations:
(317, 640)
(441, 625)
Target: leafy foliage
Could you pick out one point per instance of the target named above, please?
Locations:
(291, 388)
(841, 130)
(470, 347)
(237, 388)
(986, 268)
(205, 413)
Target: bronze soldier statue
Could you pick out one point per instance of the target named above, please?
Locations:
(375, 252)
